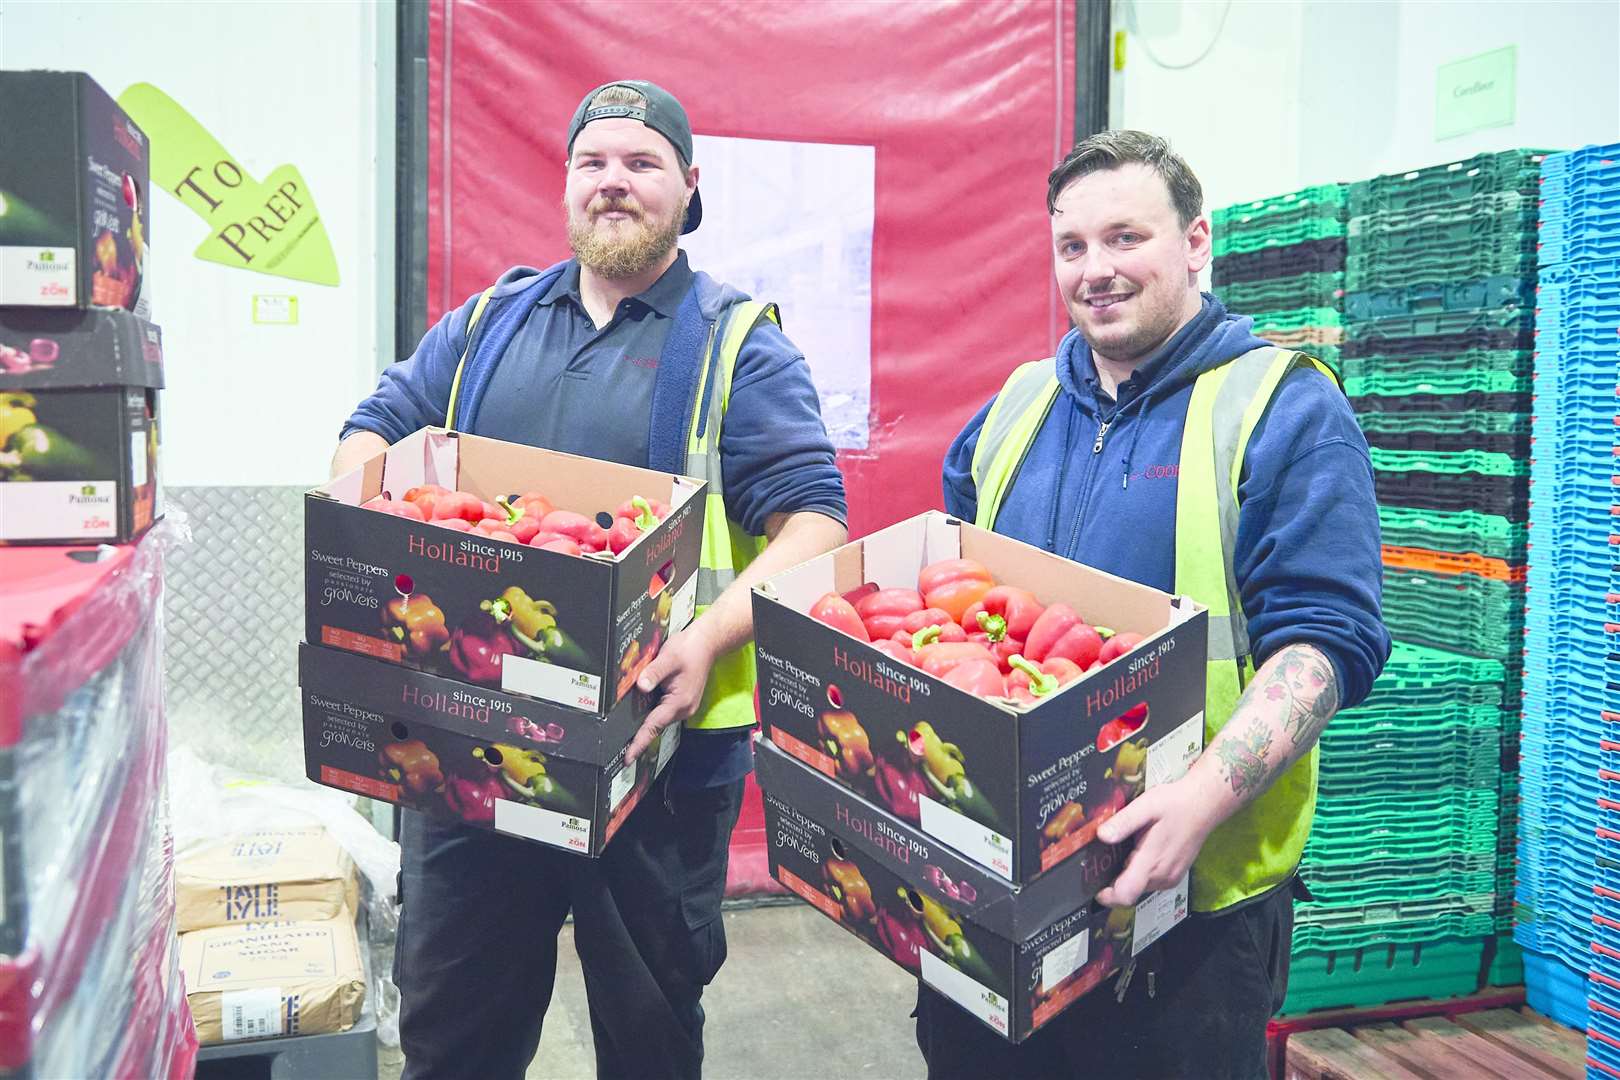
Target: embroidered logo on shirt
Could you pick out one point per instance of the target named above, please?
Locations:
(1158, 472)
(642, 361)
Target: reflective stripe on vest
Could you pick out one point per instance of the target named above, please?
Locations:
(728, 699)
(1260, 846)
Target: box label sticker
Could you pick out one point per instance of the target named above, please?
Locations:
(666, 746)
(275, 310)
(976, 998)
(623, 782)
(1171, 757)
(137, 459)
(250, 1014)
(38, 277)
(684, 606)
(978, 842)
(546, 826)
(1159, 913)
(69, 509)
(1066, 959)
(550, 682)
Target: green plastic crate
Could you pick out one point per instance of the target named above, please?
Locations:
(1457, 181)
(1392, 880)
(1438, 380)
(1431, 323)
(1309, 935)
(1374, 268)
(1457, 757)
(1461, 422)
(1505, 960)
(1489, 214)
(1321, 289)
(1296, 232)
(1449, 461)
(1380, 974)
(1322, 200)
(1297, 319)
(1516, 362)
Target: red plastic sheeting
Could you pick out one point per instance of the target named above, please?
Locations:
(968, 106)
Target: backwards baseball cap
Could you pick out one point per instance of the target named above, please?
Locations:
(662, 113)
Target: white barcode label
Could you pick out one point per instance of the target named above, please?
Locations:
(250, 1014)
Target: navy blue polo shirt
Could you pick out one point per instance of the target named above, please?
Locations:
(567, 386)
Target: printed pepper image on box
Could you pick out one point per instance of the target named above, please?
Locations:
(1011, 743)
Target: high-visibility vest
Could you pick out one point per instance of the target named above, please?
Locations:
(728, 697)
(1258, 847)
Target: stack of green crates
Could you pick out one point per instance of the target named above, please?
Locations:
(1281, 261)
(1440, 280)
(1402, 859)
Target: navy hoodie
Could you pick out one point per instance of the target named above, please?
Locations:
(1307, 552)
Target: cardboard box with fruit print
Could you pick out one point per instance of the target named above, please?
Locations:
(518, 569)
(1012, 956)
(495, 761)
(1082, 688)
(79, 413)
(74, 184)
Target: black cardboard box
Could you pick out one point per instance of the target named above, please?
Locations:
(74, 182)
(1012, 956)
(1017, 790)
(79, 414)
(612, 611)
(477, 756)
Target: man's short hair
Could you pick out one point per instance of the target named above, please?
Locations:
(1112, 149)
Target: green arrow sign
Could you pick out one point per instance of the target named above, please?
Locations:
(270, 226)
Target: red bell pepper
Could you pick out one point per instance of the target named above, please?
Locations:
(550, 541)
(838, 613)
(1061, 632)
(982, 678)
(459, 504)
(938, 659)
(634, 518)
(495, 530)
(521, 521)
(885, 611)
(943, 634)
(636, 507)
(474, 800)
(954, 585)
(426, 497)
(1005, 611)
(1117, 646)
(1029, 682)
(397, 509)
(1003, 650)
(922, 620)
(577, 527)
(455, 524)
(894, 648)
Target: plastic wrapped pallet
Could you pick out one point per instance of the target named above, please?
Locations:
(89, 981)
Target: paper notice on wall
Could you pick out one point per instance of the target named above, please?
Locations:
(791, 223)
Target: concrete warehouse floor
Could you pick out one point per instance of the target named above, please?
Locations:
(797, 998)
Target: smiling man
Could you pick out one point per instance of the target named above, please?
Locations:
(627, 354)
(1167, 444)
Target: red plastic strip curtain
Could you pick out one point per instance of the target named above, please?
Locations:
(967, 106)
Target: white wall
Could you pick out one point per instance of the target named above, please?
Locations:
(275, 83)
(1296, 92)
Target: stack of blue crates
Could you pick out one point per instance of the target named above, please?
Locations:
(1568, 901)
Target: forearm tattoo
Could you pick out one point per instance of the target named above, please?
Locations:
(1293, 696)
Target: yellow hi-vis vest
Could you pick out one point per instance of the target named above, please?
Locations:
(1259, 846)
(728, 698)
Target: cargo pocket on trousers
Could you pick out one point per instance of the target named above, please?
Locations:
(710, 813)
(1270, 926)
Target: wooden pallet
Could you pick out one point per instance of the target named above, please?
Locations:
(1497, 1043)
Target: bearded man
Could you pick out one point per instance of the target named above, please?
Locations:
(607, 355)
